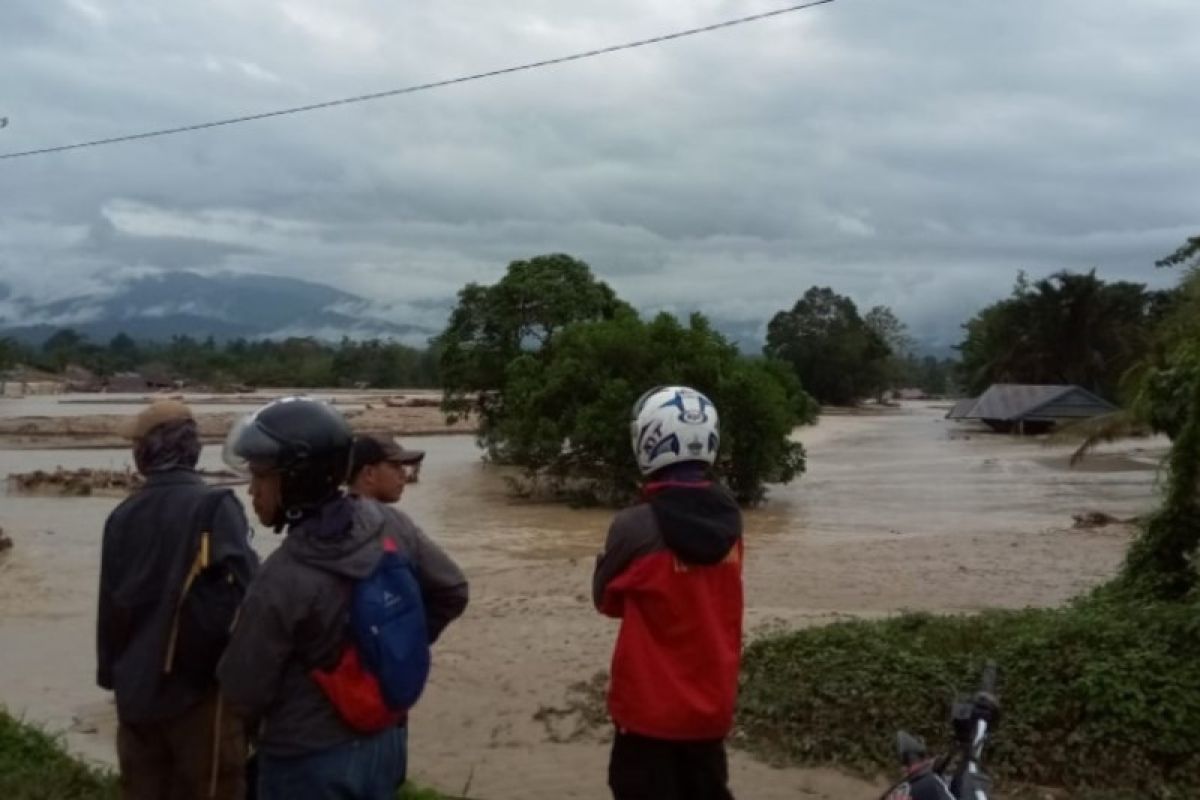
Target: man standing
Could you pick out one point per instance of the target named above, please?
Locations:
(671, 571)
(380, 468)
(293, 632)
(174, 740)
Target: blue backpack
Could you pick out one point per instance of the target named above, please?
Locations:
(384, 665)
(387, 618)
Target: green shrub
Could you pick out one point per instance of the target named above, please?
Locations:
(1099, 694)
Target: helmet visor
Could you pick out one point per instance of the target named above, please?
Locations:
(248, 444)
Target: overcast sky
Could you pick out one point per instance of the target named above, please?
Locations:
(915, 154)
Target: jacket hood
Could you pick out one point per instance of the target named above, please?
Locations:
(700, 522)
(343, 536)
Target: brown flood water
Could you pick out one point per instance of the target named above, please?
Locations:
(888, 501)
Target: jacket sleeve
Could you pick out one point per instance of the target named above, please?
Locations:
(231, 540)
(631, 535)
(443, 586)
(252, 666)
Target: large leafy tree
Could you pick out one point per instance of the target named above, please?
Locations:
(838, 357)
(551, 361)
(566, 412)
(519, 316)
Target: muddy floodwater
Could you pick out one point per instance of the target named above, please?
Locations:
(898, 510)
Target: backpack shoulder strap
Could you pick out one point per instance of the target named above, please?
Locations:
(200, 549)
(206, 512)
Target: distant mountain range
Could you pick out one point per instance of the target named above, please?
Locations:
(159, 305)
(224, 306)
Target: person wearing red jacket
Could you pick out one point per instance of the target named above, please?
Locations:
(671, 571)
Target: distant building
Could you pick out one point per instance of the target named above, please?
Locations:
(22, 381)
(1026, 408)
(127, 382)
(80, 379)
(159, 377)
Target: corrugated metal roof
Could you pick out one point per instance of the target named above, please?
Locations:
(962, 408)
(1010, 402)
(1076, 403)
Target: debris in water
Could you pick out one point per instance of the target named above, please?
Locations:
(79, 725)
(84, 482)
(1098, 519)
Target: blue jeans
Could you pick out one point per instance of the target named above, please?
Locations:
(370, 768)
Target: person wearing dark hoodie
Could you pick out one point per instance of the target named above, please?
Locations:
(671, 571)
(294, 619)
(173, 738)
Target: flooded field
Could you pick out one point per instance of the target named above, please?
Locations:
(899, 510)
(65, 405)
(82, 421)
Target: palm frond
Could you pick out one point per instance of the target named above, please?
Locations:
(1093, 432)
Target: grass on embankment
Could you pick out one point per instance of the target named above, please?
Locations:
(35, 766)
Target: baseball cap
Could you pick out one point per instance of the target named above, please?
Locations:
(370, 450)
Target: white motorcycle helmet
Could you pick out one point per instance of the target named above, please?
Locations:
(673, 424)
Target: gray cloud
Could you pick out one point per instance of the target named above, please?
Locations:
(916, 155)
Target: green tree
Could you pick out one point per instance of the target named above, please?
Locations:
(65, 346)
(123, 353)
(494, 326)
(1162, 563)
(891, 371)
(1160, 386)
(11, 352)
(1067, 328)
(935, 376)
(566, 409)
(378, 363)
(837, 356)
(300, 361)
(1164, 395)
(1188, 255)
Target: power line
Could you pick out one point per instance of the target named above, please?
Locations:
(362, 98)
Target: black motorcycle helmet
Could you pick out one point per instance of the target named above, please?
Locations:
(306, 440)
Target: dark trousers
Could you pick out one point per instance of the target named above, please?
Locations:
(642, 768)
(369, 768)
(173, 759)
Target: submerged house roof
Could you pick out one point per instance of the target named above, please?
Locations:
(1017, 402)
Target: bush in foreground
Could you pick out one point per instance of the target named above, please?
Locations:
(1096, 696)
(34, 765)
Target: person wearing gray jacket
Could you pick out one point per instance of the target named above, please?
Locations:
(293, 620)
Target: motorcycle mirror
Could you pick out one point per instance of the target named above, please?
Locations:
(910, 749)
